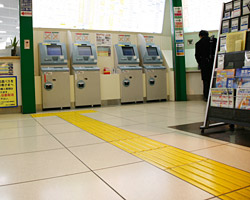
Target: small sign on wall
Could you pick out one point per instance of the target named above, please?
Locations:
(8, 92)
(51, 36)
(124, 38)
(6, 69)
(190, 42)
(103, 39)
(26, 8)
(149, 39)
(26, 44)
(80, 37)
(179, 33)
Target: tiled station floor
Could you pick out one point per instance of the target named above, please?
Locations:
(45, 158)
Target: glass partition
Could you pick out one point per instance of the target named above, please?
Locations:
(9, 27)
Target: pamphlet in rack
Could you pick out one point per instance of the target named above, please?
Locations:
(246, 7)
(222, 97)
(235, 25)
(243, 72)
(241, 82)
(225, 26)
(236, 8)
(222, 76)
(244, 21)
(223, 43)
(243, 99)
(220, 64)
(228, 10)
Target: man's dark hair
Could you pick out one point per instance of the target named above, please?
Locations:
(203, 33)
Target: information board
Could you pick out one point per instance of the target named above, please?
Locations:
(8, 92)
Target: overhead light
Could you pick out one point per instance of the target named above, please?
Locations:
(3, 32)
(1, 5)
(17, 27)
(1, 21)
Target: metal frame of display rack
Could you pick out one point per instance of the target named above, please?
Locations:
(218, 116)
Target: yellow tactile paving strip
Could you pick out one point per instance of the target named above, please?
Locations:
(239, 195)
(216, 178)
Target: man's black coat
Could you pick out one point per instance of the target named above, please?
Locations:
(204, 58)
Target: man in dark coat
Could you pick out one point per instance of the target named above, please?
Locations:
(204, 54)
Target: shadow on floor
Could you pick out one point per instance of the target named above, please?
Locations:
(239, 135)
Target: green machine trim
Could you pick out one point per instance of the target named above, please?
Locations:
(27, 59)
(179, 61)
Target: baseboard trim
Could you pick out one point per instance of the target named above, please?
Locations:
(194, 97)
(11, 110)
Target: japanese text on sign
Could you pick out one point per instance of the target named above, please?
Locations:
(8, 92)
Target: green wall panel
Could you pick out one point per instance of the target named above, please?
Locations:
(27, 66)
(179, 62)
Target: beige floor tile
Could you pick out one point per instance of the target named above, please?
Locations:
(184, 142)
(103, 155)
(144, 181)
(39, 165)
(151, 109)
(123, 113)
(229, 155)
(146, 130)
(19, 116)
(147, 118)
(18, 123)
(239, 146)
(175, 122)
(181, 114)
(119, 122)
(74, 187)
(77, 138)
(200, 136)
(22, 132)
(61, 128)
(50, 120)
(28, 144)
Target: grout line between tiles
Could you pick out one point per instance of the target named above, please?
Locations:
(119, 165)
(42, 179)
(228, 144)
(15, 154)
(208, 147)
(34, 136)
(2, 129)
(234, 191)
(85, 164)
(211, 198)
(44, 134)
(84, 145)
(190, 134)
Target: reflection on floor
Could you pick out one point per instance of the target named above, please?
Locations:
(49, 158)
(240, 135)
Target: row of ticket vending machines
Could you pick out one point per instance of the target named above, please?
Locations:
(56, 74)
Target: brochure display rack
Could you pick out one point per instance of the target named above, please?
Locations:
(229, 96)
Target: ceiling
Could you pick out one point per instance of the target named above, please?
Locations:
(9, 19)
